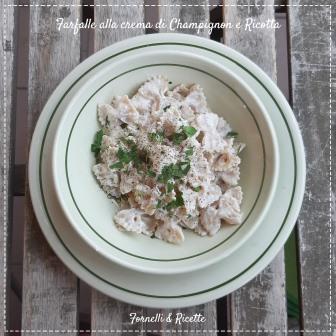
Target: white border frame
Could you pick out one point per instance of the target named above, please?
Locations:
(5, 183)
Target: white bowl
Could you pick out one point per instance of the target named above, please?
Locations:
(87, 207)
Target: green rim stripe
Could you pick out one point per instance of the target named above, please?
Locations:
(129, 253)
(211, 288)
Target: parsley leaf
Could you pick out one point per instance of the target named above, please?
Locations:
(124, 156)
(189, 131)
(177, 171)
(150, 173)
(177, 138)
(182, 169)
(175, 203)
(170, 187)
(189, 152)
(96, 146)
(132, 155)
(117, 165)
(156, 137)
(232, 134)
(197, 189)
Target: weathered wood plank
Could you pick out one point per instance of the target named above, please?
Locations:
(208, 327)
(261, 304)
(113, 315)
(199, 13)
(310, 57)
(106, 37)
(189, 14)
(49, 289)
(6, 100)
(108, 313)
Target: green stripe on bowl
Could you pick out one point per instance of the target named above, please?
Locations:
(92, 226)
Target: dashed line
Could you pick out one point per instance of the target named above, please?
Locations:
(165, 5)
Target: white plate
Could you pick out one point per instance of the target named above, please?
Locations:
(91, 212)
(188, 288)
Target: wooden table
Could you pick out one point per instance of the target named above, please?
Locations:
(51, 294)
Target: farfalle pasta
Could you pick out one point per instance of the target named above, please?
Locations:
(171, 163)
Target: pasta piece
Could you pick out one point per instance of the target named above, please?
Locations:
(107, 115)
(149, 94)
(108, 155)
(209, 194)
(229, 206)
(189, 198)
(223, 128)
(180, 92)
(200, 170)
(200, 230)
(210, 220)
(227, 166)
(171, 120)
(147, 198)
(196, 99)
(170, 231)
(150, 225)
(130, 220)
(127, 113)
(207, 122)
(107, 178)
(128, 180)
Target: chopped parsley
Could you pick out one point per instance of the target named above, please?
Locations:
(170, 82)
(117, 165)
(189, 152)
(96, 146)
(174, 171)
(156, 137)
(177, 138)
(189, 131)
(170, 187)
(232, 134)
(197, 189)
(126, 156)
(150, 173)
(186, 132)
(177, 202)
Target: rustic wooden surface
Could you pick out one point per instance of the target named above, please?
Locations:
(198, 13)
(190, 14)
(49, 299)
(6, 101)
(261, 304)
(106, 37)
(108, 313)
(310, 57)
